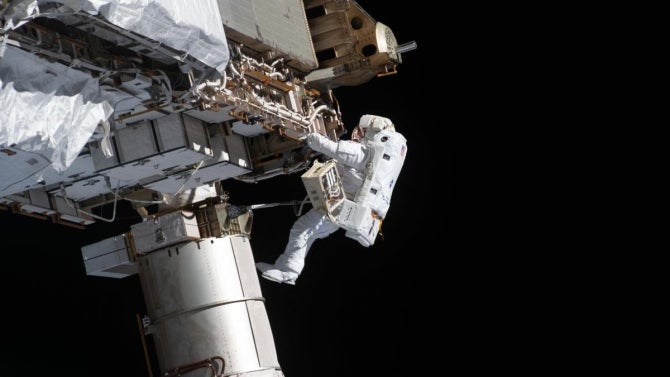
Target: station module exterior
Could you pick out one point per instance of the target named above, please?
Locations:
(158, 103)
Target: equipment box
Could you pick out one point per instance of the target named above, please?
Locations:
(323, 185)
(108, 258)
(166, 230)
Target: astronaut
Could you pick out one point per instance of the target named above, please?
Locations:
(368, 165)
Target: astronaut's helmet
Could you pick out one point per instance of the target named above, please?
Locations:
(369, 125)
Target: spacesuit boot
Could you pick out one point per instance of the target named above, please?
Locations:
(272, 273)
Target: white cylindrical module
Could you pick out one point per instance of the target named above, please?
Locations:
(204, 302)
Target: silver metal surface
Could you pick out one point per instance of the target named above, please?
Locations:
(277, 25)
(204, 300)
(108, 258)
(169, 229)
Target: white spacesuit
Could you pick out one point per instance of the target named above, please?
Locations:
(368, 165)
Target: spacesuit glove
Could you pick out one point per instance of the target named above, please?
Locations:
(310, 138)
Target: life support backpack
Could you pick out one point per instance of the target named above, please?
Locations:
(363, 217)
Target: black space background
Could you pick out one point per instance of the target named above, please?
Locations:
(392, 309)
